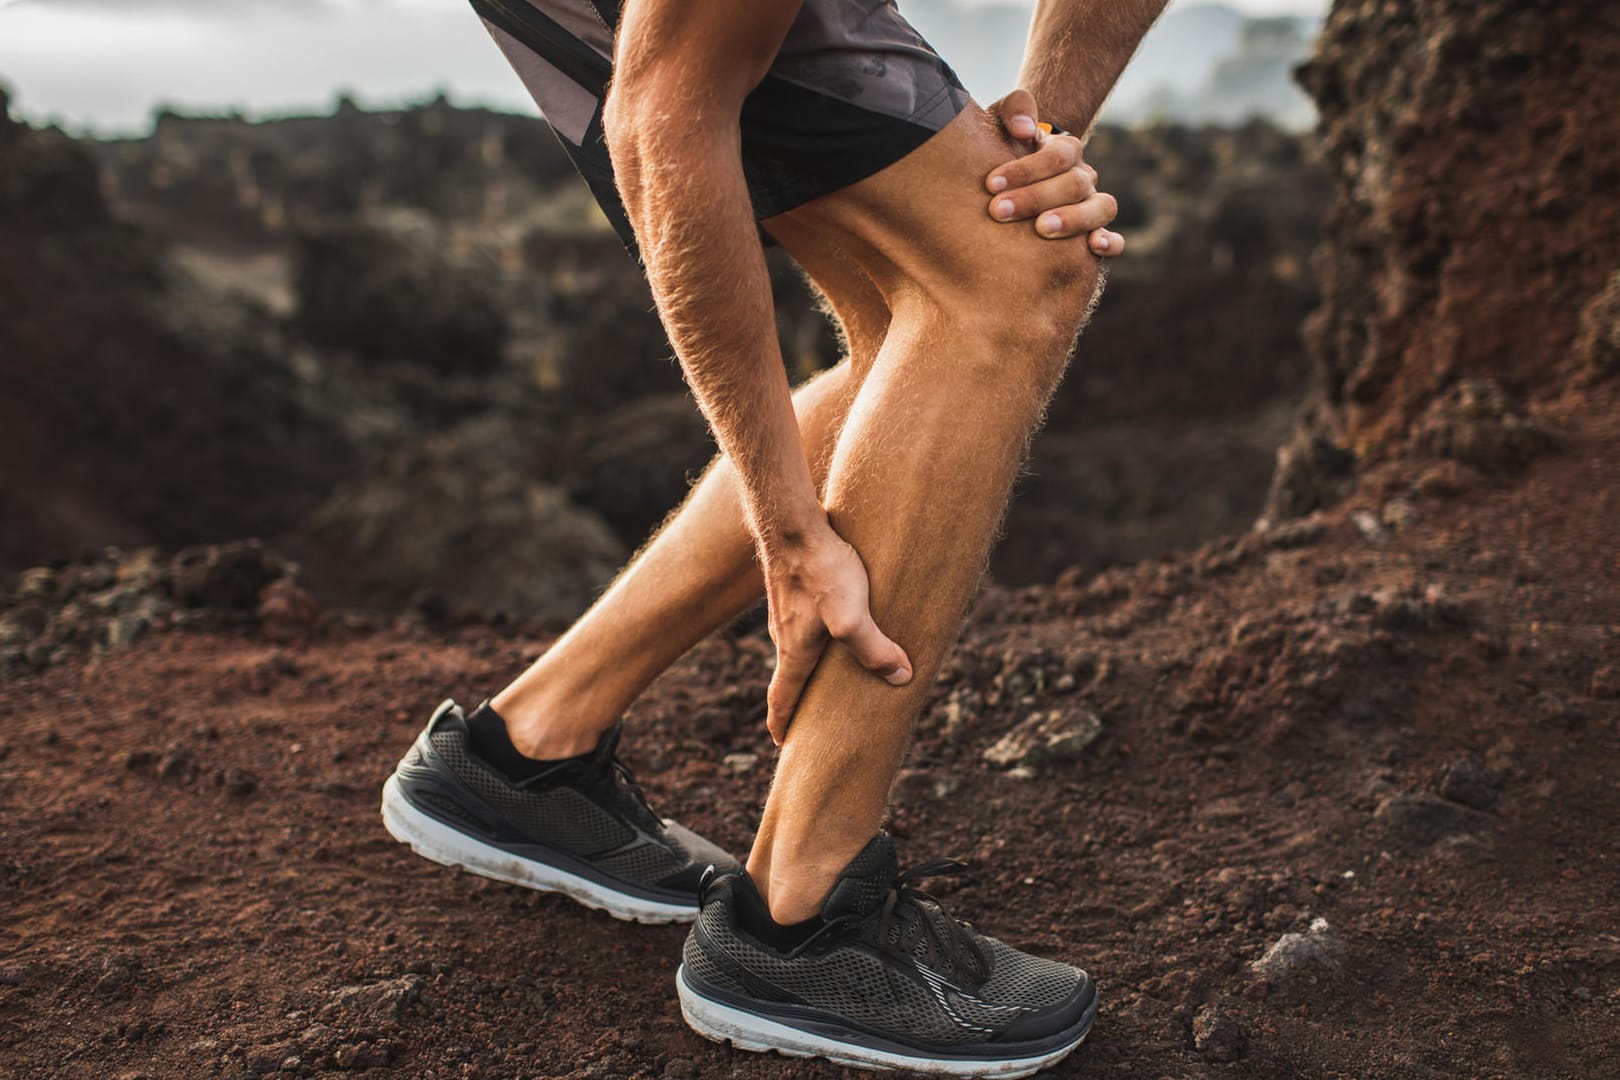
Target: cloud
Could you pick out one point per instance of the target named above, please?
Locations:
(212, 8)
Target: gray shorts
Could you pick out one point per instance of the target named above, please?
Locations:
(853, 89)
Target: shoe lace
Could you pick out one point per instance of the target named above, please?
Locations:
(607, 759)
(912, 919)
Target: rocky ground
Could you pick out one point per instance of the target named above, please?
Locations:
(1330, 800)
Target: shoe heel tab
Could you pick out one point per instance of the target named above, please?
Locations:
(447, 707)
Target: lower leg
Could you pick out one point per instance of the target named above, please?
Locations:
(696, 573)
(918, 488)
(983, 323)
(699, 570)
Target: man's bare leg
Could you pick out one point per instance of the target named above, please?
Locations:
(921, 473)
(698, 571)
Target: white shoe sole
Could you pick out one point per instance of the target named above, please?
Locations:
(746, 1031)
(436, 841)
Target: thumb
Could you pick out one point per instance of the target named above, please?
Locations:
(877, 653)
(1019, 115)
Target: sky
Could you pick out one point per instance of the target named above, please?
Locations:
(101, 66)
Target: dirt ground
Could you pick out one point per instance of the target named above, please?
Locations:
(1400, 717)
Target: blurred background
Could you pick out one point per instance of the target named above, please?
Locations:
(313, 271)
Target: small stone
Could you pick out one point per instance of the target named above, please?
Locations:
(15, 974)
(177, 765)
(1217, 1035)
(1312, 955)
(743, 761)
(1399, 514)
(1044, 737)
(287, 612)
(39, 583)
(1420, 818)
(114, 976)
(1444, 479)
(1370, 528)
(1470, 783)
(124, 629)
(291, 1063)
(239, 782)
(385, 1000)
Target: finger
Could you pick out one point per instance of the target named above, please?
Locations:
(1056, 155)
(876, 652)
(793, 670)
(1065, 189)
(1106, 242)
(1094, 213)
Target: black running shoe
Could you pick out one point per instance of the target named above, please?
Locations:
(886, 979)
(582, 827)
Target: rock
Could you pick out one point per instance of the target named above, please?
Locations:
(455, 515)
(124, 629)
(15, 974)
(1419, 818)
(385, 1000)
(115, 975)
(177, 766)
(1597, 342)
(1310, 956)
(1469, 782)
(1444, 479)
(227, 577)
(633, 464)
(1044, 737)
(287, 612)
(1312, 473)
(1477, 425)
(387, 292)
(1216, 1035)
(741, 762)
(239, 782)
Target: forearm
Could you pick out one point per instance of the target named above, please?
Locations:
(684, 190)
(1076, 51)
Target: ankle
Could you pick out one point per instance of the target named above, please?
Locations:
(542, 734)
(795, 888)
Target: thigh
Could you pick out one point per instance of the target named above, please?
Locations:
(923, 225)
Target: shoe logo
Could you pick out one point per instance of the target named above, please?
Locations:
(958, 1003)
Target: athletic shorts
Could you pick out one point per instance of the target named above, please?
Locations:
(852, 90)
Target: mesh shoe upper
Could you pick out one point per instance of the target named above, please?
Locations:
(588, 807)
(890, 960)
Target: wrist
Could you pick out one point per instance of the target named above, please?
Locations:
(792, 531)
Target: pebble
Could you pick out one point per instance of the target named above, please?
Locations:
(385, 1000)
(1217, 1035)
(1469, 782)
(1314, 954)
(1043, 737)
(743, 761)
(1420, 818)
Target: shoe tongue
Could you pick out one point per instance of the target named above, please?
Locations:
(860, 889)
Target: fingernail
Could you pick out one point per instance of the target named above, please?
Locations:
(1051, 223)
(998, 183)
(1004, 208)
(899, 678)
(1102, 243)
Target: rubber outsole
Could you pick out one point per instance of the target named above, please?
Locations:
(440, 843)
(749, 1031)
